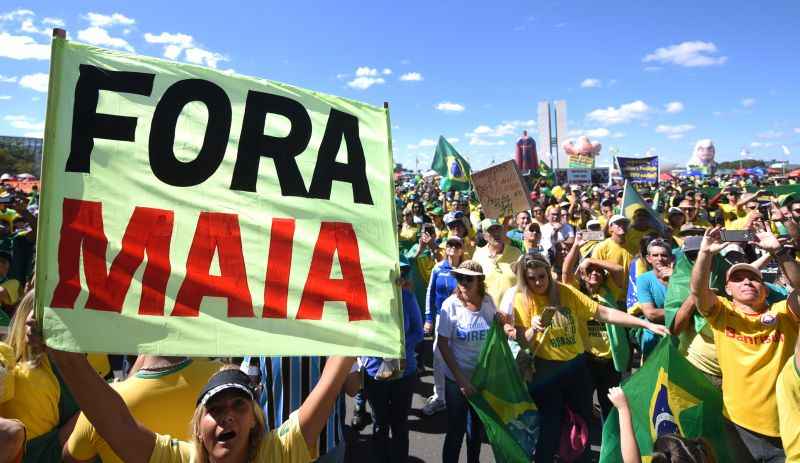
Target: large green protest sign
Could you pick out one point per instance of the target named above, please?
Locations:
(188, 211)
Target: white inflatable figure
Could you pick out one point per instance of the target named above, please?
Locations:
(702, 159)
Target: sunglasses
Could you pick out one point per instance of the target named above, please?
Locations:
(464, 279)
(740, 276)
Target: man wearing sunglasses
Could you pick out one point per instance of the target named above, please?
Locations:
(754, 340)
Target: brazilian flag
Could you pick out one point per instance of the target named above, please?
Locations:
(632, 202)
(668, 395)
(454, 169)
(503, 404)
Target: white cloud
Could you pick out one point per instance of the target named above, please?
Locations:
(5, 97)
(479, 134)
(688, 54)
(8, 79)
(28, 26)
(175, 44)
(797, 130)
(674, 131)
(481, 142)
(16, 14)
(625, 113)
(366, 71)
(53, 22)
(590, 83)
(98, 36)
(364, 82)
(411, 77)
(22, 47)
(386, 71)
(748, 102)
(597, 133)
(341, 76)
(450, 107)
(452, 140)
(23, 123)
(205, 57)
(424, 143)
(36, 82)
(770, 134)
(618, 135)
(115, 19)
(758, 144)
(673, 107)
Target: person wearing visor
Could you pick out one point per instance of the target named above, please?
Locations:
(676, 219)
(613, 251)
(464, 324)
(228, 423)
(754, 340)
(455, 227)
(441, 285)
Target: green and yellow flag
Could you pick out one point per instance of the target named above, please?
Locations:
(668, 395)
(632, 202)
(454, 169)
(506, 409)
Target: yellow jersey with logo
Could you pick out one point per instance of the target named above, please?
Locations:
(562, 340)
(752, 349)
(788, 391)
(163, 401)
(286, 444)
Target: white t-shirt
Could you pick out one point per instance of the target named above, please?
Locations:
(465, 331)
(550, 237)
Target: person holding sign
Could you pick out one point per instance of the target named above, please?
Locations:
(228, 423)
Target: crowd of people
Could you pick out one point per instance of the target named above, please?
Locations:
(577, 282)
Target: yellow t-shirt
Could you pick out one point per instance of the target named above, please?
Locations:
(608, 250)
(702, 352)
(751, 350)
(499, 276)
(162, 401)
(12, 288)
(731, 213)
(633, 239)
(787, 390)
(100, 363)
(563, 340)
(286, 444)
(35, 399)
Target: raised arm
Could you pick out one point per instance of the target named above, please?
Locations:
(684, 316)
(789, 265)
(615, 271)
(571, 261)
(104, 408)
(618, 317)
(711, 244)
(627, 438)
(315, 410)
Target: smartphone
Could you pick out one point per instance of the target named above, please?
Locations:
(737, 236)
(548, 314)
(590, 235)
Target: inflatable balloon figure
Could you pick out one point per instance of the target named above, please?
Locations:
(582, 153)
(702, 160)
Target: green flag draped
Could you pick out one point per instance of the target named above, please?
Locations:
(668, 395)
(454, 169)
(631, 202)
(508, 414)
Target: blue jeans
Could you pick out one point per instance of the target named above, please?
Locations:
(390, 402)
(461, 419)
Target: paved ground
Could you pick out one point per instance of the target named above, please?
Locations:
(427, 433)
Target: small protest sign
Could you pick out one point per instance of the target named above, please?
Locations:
(186, 211)
(501, 190)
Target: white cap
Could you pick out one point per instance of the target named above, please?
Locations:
(616, 218)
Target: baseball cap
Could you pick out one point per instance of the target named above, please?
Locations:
(616, 218)
(593, 223)
(454, 239)
(675, 210)
(223, 381)
(486, 224)
(452, 217)
(752, 269)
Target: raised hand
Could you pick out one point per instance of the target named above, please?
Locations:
(712, 241)
(767, 241)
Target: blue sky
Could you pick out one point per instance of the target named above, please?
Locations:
(636, 76)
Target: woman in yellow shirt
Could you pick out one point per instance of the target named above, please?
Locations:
(228, 424)
(32, 392)
(546, 315)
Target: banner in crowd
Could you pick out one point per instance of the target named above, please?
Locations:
(190, 212)
(668, 395)
(643, 170)
(503, 404)
(501, 190)
(593, 176)
(453, 168)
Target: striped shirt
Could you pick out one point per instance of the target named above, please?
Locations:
(285, 383)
